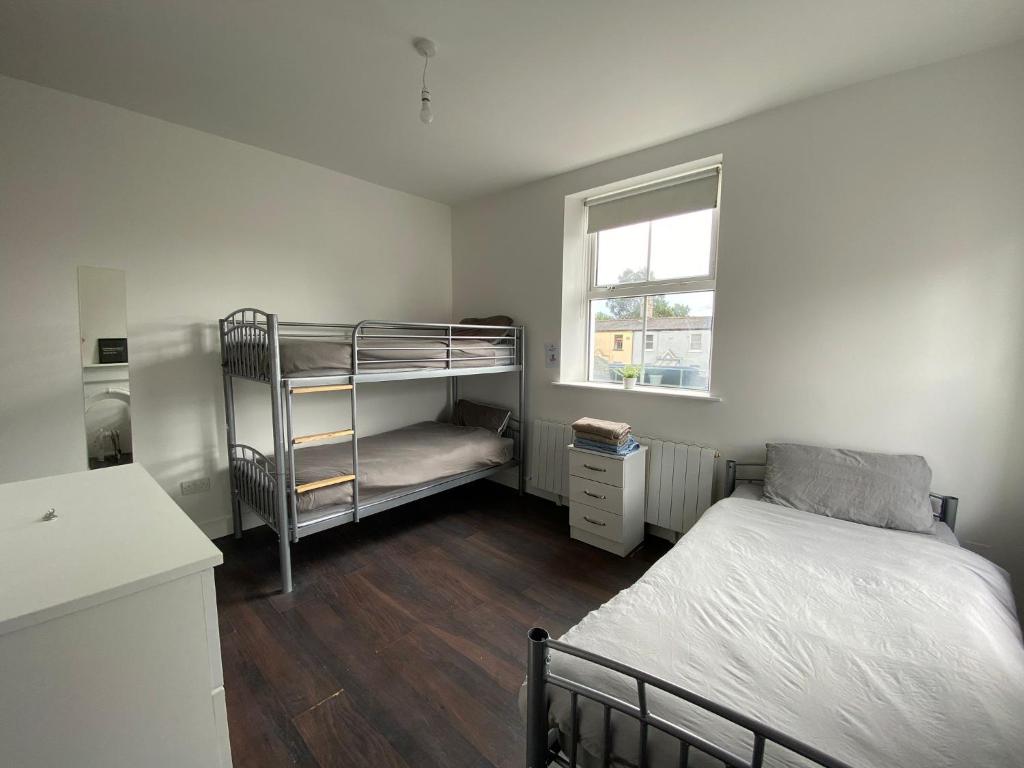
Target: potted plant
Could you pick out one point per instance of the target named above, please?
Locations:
(630, 373)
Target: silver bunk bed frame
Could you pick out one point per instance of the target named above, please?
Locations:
(250, 342)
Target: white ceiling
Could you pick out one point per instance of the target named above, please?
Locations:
(522, 89)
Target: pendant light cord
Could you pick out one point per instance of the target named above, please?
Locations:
(426, 61)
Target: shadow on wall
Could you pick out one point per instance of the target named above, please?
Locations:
(179, 412)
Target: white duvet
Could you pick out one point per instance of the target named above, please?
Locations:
(879, 647)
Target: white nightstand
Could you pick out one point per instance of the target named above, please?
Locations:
(606, 499)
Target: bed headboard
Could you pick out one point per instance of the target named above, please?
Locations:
(943, 507)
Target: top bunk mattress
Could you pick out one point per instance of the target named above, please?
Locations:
(320, 356)
(879, 648)
(396, 460)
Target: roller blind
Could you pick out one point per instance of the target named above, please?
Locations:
(696, 192)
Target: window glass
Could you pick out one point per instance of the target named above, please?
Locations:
(622, 254)
(614, 323)
(673, 322)
(681, 246)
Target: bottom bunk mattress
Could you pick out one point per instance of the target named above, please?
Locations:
(392, 461)
(878, 647)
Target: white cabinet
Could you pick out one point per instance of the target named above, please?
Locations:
(606, 499)
(109, 646)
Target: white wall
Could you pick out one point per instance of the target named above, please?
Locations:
(102, 309)
(871, 266)
(201, 226)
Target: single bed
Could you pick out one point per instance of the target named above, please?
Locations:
(878, 647)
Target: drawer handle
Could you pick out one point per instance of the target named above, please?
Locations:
(595, 495)
(594, 469)
(594, 522)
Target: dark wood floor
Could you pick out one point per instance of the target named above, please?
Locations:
(404, 641)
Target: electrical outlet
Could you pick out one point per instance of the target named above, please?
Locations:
(199, 485)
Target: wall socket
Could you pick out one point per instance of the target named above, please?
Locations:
(199, 485)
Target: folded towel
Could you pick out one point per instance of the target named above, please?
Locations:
(624, 450)
(601, 439)
(610, 429)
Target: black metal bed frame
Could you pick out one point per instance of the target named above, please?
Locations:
(250, 341)
(541, 751)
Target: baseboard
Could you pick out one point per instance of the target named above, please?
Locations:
(223, 526)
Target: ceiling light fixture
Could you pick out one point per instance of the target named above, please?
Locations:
(426, 48)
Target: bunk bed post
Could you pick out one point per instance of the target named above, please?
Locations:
(280, 456)
(229, 417)
(522, 410)
(355, 429)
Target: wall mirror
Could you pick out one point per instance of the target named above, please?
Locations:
(103, 328)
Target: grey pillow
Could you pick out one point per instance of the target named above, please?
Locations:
(884, 490)
(470, 414)
(492, 320)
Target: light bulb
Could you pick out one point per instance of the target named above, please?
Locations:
(426, 113)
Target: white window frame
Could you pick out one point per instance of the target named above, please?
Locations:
(594, 292)
(697, 336)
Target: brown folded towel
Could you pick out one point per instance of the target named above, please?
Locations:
(613, 430)
(602, 439)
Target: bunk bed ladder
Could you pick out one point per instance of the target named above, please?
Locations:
(296, 440)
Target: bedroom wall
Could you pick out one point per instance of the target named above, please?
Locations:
(871, 268)
(201, 226)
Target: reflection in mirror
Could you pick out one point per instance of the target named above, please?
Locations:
(103, 327)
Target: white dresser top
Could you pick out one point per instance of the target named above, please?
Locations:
(116, 532)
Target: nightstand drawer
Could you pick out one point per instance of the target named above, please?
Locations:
(599, 522)
(606, 497)
(593, 467)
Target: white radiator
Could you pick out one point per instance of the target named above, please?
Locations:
(680, 476)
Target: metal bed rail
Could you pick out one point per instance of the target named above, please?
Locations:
(540, 751)
(248, 335)
(253, 482)
(945, 507)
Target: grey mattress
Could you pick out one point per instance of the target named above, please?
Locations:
(396, 460)
(312, 356)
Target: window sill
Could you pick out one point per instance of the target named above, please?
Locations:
(688, 394)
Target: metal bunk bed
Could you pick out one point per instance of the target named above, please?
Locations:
(374, 351)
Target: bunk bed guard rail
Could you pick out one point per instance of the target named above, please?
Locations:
(541, 750)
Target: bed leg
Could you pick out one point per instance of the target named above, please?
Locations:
(285, 557)
(536, 700)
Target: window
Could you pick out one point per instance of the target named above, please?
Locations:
(652, 262)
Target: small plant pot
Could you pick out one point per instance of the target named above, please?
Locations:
(629, 383)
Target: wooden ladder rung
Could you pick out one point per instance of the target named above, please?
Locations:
(324, 483)
(324, 388)
(321, 436)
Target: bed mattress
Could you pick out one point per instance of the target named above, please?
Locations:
(879, 647)
(396, 460)
(312, 356)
